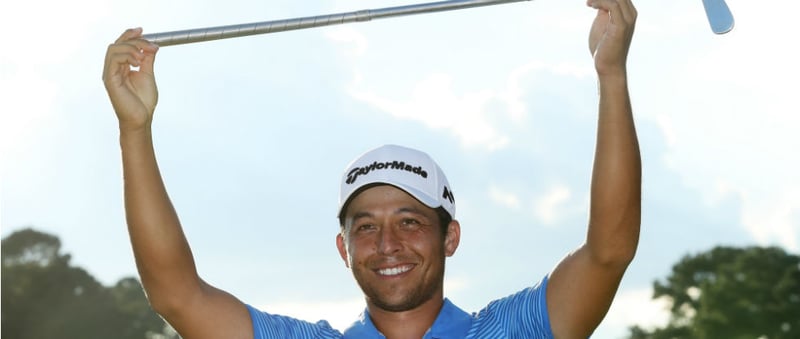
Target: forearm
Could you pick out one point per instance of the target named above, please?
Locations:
(615, 210)
(162, 253)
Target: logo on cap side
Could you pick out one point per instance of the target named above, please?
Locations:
(448, 194)
(395, 165)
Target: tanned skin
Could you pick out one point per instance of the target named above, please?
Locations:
(396, 248)
(583, 284)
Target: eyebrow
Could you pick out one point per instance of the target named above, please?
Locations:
(407, 209)
(360, 215)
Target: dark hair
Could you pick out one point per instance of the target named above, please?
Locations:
(444, 220)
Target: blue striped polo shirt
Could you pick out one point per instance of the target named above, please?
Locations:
(520, 315)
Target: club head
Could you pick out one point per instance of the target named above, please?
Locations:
(719, 16)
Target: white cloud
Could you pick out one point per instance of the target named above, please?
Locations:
(667, 129)
(514, 91)
(27, 110)
(504, 198)
(453, 285)
(636, 307)
(347, 35)
(772, 219)
(434, 102)
(47, 37)
(550, 206)
(731, 129)
(29, 79)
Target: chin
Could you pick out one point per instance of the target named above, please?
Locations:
(400, 303)
(401, 306)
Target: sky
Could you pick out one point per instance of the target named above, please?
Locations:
(252, 135)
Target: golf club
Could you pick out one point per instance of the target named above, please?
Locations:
(719, 16)
(234, 31)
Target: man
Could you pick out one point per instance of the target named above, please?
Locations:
(397, 225)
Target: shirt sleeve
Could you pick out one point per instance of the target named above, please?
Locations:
(520, 315)
(271, 326)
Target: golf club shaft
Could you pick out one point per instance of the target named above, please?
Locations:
(234, 31)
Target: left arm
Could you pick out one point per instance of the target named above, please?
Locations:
(582, 286)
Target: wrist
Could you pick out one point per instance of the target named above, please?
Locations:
(134, 135)
(619, 73)
(610, 80)
(134, 126)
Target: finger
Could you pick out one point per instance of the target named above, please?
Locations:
(117, 52)
(602, 18)
(128, 59)
(144, 45)
(119, 58)
(117, 70)
(123, 39)
(607, 7)
(129, 33)
(148, 60)
(619, 9)
(628, 10)
(136, 48)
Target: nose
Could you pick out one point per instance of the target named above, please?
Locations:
(388, 242)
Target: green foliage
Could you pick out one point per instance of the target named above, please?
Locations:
(44, 297)
(728, 292)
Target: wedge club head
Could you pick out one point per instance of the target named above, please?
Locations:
(719, 16)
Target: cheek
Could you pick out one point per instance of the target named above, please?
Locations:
(425, 242)
(358, 250)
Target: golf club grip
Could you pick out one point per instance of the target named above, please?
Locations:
(264, 27)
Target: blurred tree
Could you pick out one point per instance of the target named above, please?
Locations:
(729, 292)
(44, 297)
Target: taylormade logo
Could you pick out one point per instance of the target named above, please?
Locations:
(375, 166)
(448, 194)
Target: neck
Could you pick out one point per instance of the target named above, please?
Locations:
(411, 324)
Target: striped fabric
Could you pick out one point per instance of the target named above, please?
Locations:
(520, 315)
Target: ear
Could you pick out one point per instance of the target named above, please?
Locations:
(452, 238)
(342, 249)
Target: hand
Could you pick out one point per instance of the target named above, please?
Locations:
(611, 34)
(133, 93)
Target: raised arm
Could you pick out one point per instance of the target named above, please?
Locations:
(582, 286)
(163, 257)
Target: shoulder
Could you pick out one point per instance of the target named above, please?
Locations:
(519, 315)
(266, 325)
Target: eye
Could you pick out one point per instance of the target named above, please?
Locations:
(410, 222)
(365, 227)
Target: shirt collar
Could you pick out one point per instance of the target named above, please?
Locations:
(452, 322)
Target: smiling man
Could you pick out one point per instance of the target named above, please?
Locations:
(397, 218)
(397, 228)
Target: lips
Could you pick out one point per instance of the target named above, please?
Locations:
(394, 271)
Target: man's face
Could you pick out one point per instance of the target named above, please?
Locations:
(395, 248)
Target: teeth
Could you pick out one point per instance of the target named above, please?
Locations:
(394, 270)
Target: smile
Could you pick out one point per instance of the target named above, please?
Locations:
(395, 270)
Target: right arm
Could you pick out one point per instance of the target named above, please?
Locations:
(163, 257)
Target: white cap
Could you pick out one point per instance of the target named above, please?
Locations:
(408, 169)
